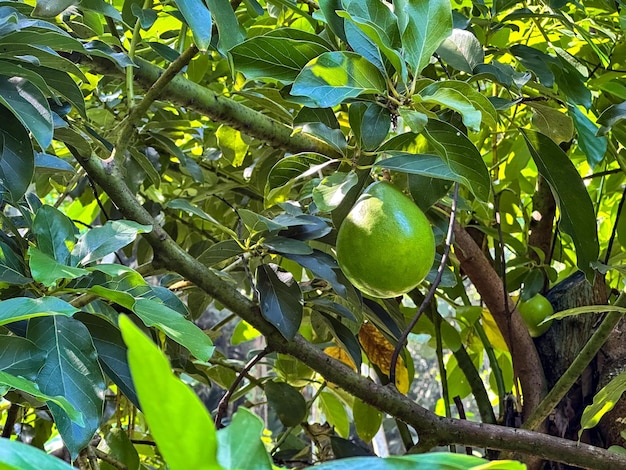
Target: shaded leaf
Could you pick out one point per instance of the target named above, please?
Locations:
(321, 265)
(593, 146)
(230, 32)
(71, 370)
(331, 191)
(12, 267)
(611, 116)
(17, 160)
(280, 302)
(20, 357)
(287, 402)
(578, 218)
(56, 234)
(198, 17)
(48, 271)
(99, 242)
(287, 246)
(221, 251)
(367, 419)
(433, 460)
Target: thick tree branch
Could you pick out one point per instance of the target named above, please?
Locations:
(219, 108)
(544, 210)
(526, 362)
(432, 429)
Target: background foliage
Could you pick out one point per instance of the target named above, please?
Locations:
(179, 169)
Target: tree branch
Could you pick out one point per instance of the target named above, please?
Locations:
(188, 94)
(432, 429)
(526, 362)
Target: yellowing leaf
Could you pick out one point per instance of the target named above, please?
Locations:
(341, 355)
(379, 351)
(493, 332)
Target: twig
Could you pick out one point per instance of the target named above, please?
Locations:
(459, 407)
(109, 459)
(92, 458)
(579, 364)
(9, 423)
(223, 405)
(431, 291)
(137, 112)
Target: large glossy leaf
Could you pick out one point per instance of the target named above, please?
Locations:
(611, 116)
(423, 24)
(419, 164)
(180, 424)
(63, 84)
(334, 77)
(71, 370)
(367, 419)
(29, 105)
(174, 325)
(219, 252)
(430, 461)
(16, 455)
(335, 413)
(23, 308)
(56, 234)
(578, 217)
(112, 353)
(461, 155)
(287, 402)
(278, 58)
(198, 17)
(21, 357)
(17, 160)
(280, 300)
(106, 239)
(240, 445)
(48, 271)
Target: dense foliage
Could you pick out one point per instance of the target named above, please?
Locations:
(179, 170)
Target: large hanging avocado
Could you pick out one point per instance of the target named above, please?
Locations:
(385, 245)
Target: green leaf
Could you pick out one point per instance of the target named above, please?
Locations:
(186, 206)
(12, 267)
(27, 386)
(48, 271)
(593, 146)
(331, 190)
(55, 233)
(46, 162)
(71, 370)
(321, 265)
(552, 122)
(112, 353)
(180, 425)
(228, 27)
(461, 155)
(15, 455)
(431, 461)
(99, 242)
(287, 246)
(174, 325)
(426, 191)
(122, 448)
(611, 116)
(419, 164)
(335, 413)
(423, 24)
(198, 17)
(23, 308)
(219, 252)
(280, 300)
(603, 402)
(147, 16)
(333, 77)
(578, 217)
(20, 357)
(17, 160)
(240, 445)
(370, 124)
(29, 105)
(443, 94)
(462, 51)
(586, 309)
(102, 7)
(102, 49)
(287, 402)
(233, 146)
(277, 58)
(288, 171)
(367, 419)
(52, 8)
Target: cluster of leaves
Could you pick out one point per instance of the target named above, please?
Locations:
(434, 96)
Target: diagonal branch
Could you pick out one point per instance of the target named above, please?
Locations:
(432, 429)
(219, 108)
(526, 362)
